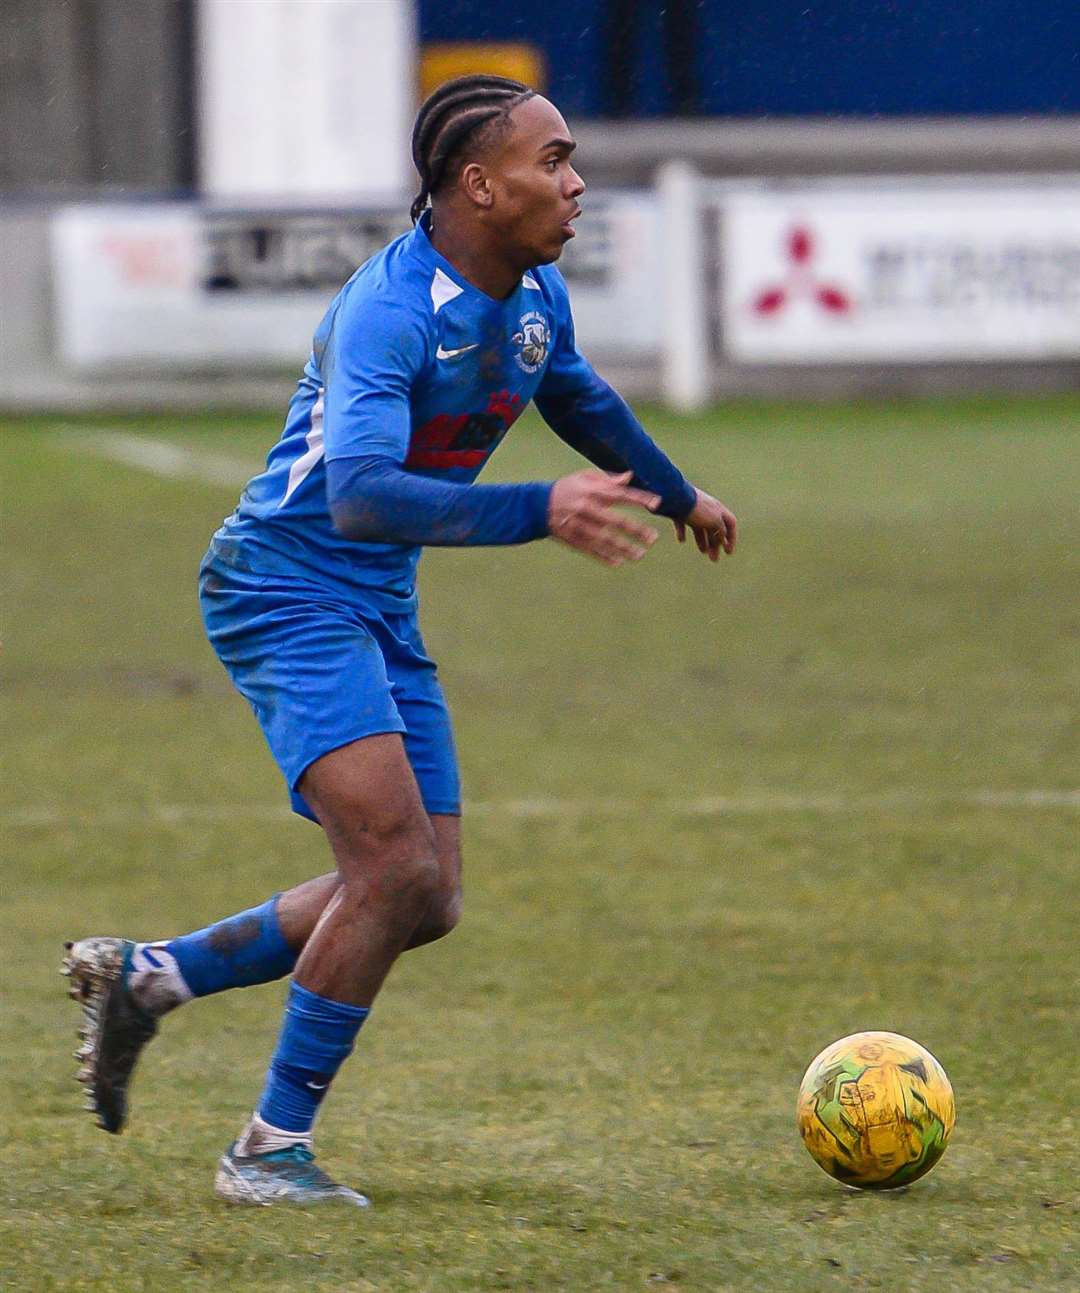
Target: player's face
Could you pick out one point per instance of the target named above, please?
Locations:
(535, 190)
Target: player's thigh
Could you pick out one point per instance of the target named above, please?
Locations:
(419, 700)
(312, 670)
(367, 800)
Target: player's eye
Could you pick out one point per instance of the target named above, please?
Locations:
(551, 163)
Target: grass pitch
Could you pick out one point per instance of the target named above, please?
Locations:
(720, 817)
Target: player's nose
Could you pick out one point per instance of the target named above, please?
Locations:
(576, 186)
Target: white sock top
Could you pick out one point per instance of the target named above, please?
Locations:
(260, 1137)
(154, 979)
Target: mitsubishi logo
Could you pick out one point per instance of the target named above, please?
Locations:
(800, 281)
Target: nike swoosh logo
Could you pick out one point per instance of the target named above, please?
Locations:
(315, 1086)
(440, 353)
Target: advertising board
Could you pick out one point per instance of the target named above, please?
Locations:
(187, 285)
(899, 271)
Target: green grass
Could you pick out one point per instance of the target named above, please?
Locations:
(591, 1084)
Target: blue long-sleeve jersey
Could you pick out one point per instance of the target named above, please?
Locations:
(414, 379)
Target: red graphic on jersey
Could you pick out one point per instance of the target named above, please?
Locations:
(464, 439)
(800, 281)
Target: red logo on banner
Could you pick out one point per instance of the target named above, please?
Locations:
(800, 281)
(146, 259)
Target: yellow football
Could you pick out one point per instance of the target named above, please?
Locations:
(875, 1110)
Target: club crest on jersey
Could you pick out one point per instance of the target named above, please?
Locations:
(531, 340)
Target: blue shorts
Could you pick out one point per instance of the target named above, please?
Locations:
(321, 670)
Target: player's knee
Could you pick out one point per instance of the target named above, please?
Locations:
(416, 879)
(438, 920)
(446, 915)
(404, 874)
(410, 851)
(397, 893)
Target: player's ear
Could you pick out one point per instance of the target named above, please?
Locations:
(476, 184)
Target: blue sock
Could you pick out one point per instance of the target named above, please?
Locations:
(235, 953)
(316, 1038)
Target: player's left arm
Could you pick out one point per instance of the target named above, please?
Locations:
(584, 411)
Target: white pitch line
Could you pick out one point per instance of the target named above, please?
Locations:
(553, 808)
(158, 457)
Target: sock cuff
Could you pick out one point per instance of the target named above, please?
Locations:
(272, 926)
(262, 1137)
(307, 1004)
(318, 1033)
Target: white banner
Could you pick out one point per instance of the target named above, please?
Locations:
(168, 286)
(908, 270)
(612, 269)
(183, 285)
(124, 282)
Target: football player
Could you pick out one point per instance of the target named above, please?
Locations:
(423, 362)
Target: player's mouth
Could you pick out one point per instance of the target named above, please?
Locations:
(567, 227)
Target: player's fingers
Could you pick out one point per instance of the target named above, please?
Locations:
(619, 548)
(642, 533)
(614, 491)
(716, 537)
(731, 529)
(717, 528)
(630, 497)
(605, 557)
(607, 517)
(604, 541)
(608, 484)
(700, 539)
(611, 555)
(586, 544)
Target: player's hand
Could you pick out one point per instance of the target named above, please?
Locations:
(712, 525)
(581, 513)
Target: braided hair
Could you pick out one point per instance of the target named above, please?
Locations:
(455, 114)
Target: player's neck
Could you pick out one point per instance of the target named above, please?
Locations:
(475, 257)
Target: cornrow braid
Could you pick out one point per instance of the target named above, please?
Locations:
(449, 118)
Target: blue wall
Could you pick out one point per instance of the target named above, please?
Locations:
(786, 57)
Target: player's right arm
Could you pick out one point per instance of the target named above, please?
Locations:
(376, 349)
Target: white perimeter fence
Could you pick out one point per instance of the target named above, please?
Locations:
(689, 289)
